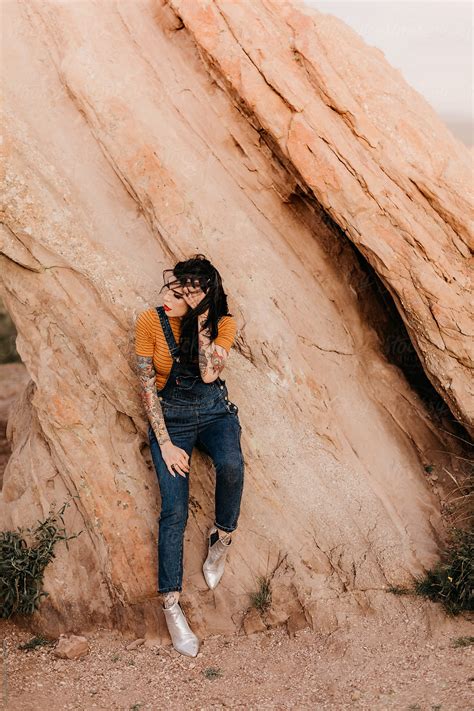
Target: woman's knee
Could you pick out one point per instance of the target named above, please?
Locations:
(175, 516)
(231, 470)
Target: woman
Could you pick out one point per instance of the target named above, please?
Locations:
(181, 349)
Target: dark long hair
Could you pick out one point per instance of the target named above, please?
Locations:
(198, 268)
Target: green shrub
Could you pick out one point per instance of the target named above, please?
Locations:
(24, 555)
(262, 598)
(451, 581)
(467, 641)
(35, 642)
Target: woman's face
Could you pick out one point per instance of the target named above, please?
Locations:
(173, 301)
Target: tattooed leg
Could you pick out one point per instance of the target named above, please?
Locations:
(168, 599)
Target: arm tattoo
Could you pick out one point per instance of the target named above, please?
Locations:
(212, 358)
(149, 396)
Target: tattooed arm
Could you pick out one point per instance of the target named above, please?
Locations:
(212, 357)
(149, 395)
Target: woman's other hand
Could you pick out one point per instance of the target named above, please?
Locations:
(175, 456)
(193, 294)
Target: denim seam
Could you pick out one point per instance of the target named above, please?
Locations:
(181, 556)
(242, 465)
(242, 469)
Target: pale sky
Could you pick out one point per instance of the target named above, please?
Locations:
(429, 42)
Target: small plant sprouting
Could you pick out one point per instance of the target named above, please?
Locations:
(35, 642)
(398, 590)
(24, 555)
(212, 672)
(463, 641)
(262, 598)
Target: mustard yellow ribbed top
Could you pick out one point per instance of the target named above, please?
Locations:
(150, 340)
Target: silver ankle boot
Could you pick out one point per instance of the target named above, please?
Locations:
(214, 564)
(184, 639)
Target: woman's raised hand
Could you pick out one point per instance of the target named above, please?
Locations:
(175, 457)
(192, 293)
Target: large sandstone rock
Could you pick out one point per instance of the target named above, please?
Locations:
(332, 199)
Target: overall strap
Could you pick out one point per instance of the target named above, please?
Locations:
(169, 335)
(170, 339)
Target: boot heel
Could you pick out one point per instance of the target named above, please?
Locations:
(183, 638)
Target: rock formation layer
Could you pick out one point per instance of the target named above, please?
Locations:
(272, 139)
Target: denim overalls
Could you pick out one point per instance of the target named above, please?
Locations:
(196, 414)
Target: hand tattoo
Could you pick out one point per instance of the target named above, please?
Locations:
(149, 395)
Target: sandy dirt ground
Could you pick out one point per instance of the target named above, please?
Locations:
(413, 665)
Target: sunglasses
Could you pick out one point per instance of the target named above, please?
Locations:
(170, 281)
